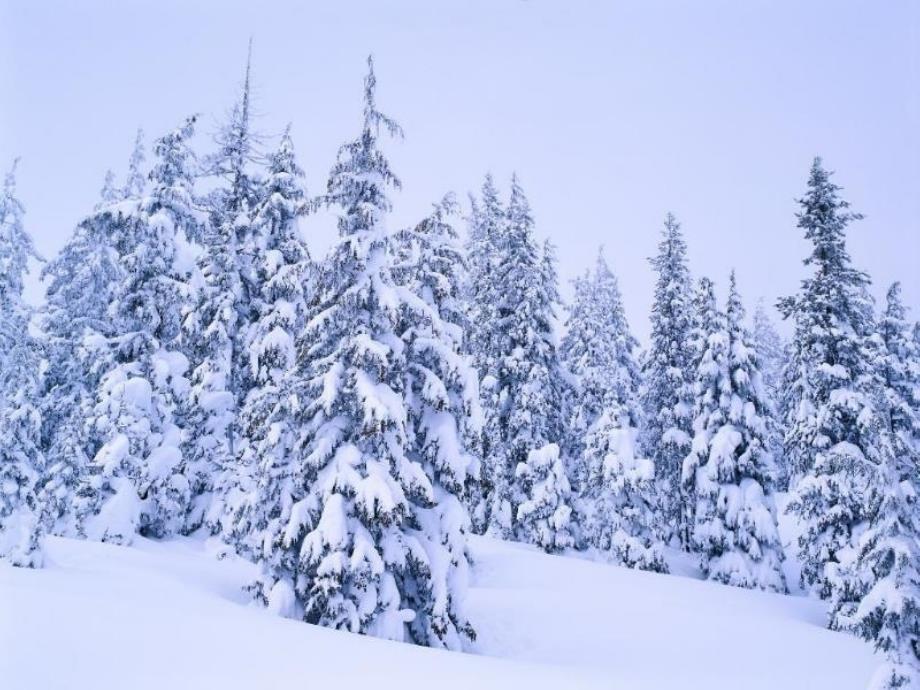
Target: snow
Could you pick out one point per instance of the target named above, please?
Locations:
(171, 615)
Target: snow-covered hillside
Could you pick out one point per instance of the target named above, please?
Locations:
(170, 615)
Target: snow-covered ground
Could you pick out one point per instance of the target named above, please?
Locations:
(170, 615)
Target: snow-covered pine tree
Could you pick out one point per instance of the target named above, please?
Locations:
(620, 493)
(216, 327)
(599, 350)
(728, 472)
(886, 610)
(706, 320)
(615, 489)
(487, 225)
(284, 272)
(525, 383)
(346, 548)
(772, 354)
(22, 462)
(81, 282)
(444, 416)
(885, 606)
(545, 514)
(667, 372)
(486, 231)
(901, 380)
(136, 179)
(136, 482)
(836, 436)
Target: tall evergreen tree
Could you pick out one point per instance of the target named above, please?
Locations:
(216, 327)
(882, 603)
(706, 320)
(486, 231)
(772, 353)
(268, 419)
(444, 416)
(620, 493)
(22, 462)
(137, 480)
(524, 383)
(728, 472)
(886, 610)
(667, 374)
(615, 488)
(901, 381)
(81, 283)
(836, 436)
(352, 546)
(600, 351)
(544, 515)
(487, 226)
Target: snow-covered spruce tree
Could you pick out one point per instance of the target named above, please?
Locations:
(771, 352)
(887, 575)
(883, 602)
(347, 547)
(444, 416)
(615, 489)
(901, 381)
(836, 436)
(525, 383)
(284, 272)
(620, 492)
(545, 514)
(666, 433)
(81, 283)
(728, 472)
(215, 330)
(137, 482)
(487, 225)
(21, 459)
(599, 350)
(486, 231)
(706, 321)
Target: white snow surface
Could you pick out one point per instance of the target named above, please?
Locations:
(170, 615)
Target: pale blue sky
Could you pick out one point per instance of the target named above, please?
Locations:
(613, 113)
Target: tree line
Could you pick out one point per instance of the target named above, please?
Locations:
(347, 422)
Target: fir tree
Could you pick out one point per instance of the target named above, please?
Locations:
(665, 438)
(545, 514)
(22, 462)
(882, 602)
(487, 226)
(349, 546)
(137, 481)
(887, 575)
(599, 350)
(284, 271)
(444, 417)
(772, 353)
(614, 495)
(728, 472)
(524, 385)
(620, 493)
(136, 179)
(901, 381)
(77, 323)
(216, 327)
(836, 436)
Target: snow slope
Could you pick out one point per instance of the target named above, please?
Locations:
(169, 615)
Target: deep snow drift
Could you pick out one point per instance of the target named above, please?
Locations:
(170, 615)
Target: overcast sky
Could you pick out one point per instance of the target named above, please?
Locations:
(612, 113)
